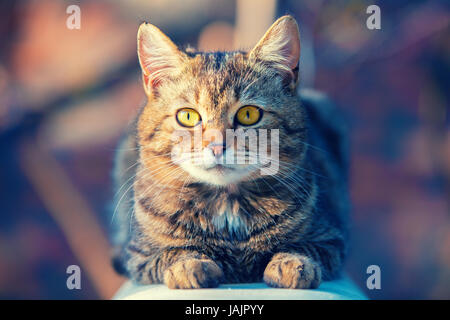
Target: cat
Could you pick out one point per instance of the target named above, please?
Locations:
(192, 225)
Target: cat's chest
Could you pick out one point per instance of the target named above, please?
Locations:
(230, 222)
(226, 218)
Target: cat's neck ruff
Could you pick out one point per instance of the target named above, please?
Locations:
(233, 224)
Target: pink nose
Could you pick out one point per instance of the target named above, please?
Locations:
(217, 149)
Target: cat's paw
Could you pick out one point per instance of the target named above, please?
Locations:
(193, 274)
(293, 271)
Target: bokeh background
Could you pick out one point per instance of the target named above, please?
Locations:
(66, 96)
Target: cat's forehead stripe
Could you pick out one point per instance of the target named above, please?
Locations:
(215, 60)
(217, 75)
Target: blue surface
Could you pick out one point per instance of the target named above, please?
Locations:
(341, 289)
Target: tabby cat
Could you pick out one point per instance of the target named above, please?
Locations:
(193, 225)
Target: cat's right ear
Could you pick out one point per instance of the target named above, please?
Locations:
(280, 47)
(158, 56)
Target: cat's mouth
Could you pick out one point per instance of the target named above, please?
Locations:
(219, 168)
(217, 174)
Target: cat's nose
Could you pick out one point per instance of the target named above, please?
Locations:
(217, 148)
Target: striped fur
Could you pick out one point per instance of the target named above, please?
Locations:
(289, 229)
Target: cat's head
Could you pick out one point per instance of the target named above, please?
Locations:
(215, 94)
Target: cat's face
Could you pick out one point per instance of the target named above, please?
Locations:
(197, 100)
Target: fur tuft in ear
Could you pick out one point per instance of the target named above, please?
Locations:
(158, 56)
(280, 46)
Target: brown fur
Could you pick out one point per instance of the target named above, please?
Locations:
(292, 226)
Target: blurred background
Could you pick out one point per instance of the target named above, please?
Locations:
(67, 95)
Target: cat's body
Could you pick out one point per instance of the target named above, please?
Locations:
(190, 226)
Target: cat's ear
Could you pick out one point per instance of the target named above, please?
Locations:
(280, 47)
(158, 56)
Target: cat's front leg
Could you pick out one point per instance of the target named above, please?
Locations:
(292, 270)
(193, 273)
(177, 268)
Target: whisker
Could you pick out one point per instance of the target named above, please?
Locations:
(147, 172)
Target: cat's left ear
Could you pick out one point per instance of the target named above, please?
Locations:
(158, 56)
(280, 47)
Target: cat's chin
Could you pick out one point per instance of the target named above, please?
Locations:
(217, 175)
(220, 169)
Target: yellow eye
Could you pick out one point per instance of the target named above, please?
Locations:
(188, 117)
(248, 115)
